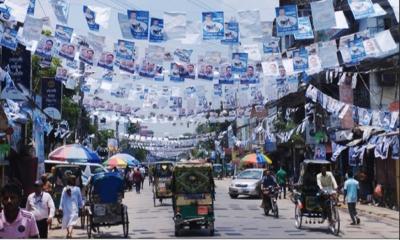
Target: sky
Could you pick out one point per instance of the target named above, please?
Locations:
(193, 8)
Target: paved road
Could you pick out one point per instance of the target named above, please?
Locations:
(235, 218)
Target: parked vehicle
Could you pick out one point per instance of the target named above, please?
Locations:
(217, 170)
(193, 197)
(247, 182)
(162, 176)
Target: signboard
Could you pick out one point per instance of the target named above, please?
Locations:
(51, 97)
(19, 65)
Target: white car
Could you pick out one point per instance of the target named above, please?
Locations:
(247, 182)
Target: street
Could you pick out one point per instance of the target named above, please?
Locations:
(235, 218)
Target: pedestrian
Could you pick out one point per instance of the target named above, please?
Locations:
(130, 179)
(70, 205)
(281, 179)
(137, 178)
(15, 222)
(47, 186)
(351, 188)
(143, 173)
(41, 205)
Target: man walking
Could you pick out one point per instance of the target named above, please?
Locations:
(351, 188)
(281, 179)
(42, 207)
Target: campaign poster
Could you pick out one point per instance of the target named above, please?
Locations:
(183, 54)
(176, 103)
(156, 30)
(256, 96)
(231, 33)
(45, 47)
(286, 20)
(125, 26)
(61, 9)
(147, 69)
(300, 59)
(86, 55)
(139, 22)
(90, 17)
(271, 46)
(31, 7)
(61, 74)
(270, 68)
(226, 74)
(18, 63)
(9, 39)
(213, 25)
(67, 51)
(189, 71)
(63, 33)
(320, 152)
(106, 61)
(328, 55)
(251, 76)
(239, 62)
(174, 75)
(218, 90)
(305, 30)
(51, 97)
(357, 51)
(282, 87)
(323, 15)
(206, 71)
(361, 8)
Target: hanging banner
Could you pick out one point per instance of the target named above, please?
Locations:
(9, 39)
(319, 152)
(286, 20)
(32, 29)
(51, 97)
(323, 15)
(226, 74)
(250, 25)
(31, 7)
(106, 61)
(63, 33)
(305, 30)
(174, 25)
(67, 51)
(61, 9)
(239, 62)
(300, 59)
(156, 30)
(346, 96)
(18, 63)
(139, 22)
(125, 26)
(90, 16)
(357, 51)
(231, 35)
(361, 8)
(213, 25)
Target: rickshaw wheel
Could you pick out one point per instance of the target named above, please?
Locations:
(83, 219)
(298, 217)
(177, 231)
(211, 228)
(125, 222)
(334, 226)
(89, 226)
(276, 210)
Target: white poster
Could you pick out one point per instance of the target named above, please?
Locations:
(323, 15)
(174, 25)
(249, 23)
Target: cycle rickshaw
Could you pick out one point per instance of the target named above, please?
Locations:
(104, 207)
(310, 201)
(162, 175)
(193, 197)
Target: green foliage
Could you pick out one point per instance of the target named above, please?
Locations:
(133, 128)
(38, 72)
(102, 137)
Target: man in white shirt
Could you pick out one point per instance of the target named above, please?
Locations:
(326, 181)
(42, 207)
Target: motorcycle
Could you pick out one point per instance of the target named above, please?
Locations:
(270, 201)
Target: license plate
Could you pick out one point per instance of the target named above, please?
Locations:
(161, 185)
(202, 210)
(99, 210)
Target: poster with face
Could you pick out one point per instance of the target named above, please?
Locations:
(86, 55)
(251, 76)
(9, 39)
(357, 51)
(319, 152)
(256, 96)
(139, 21)
(305, 30)
(226, 75)
(156, 30)
(270, 68)
(63, 33)
(205, 70)
(45, 47)
(286, 20)
(300, 59)
(213, 25)
(189, 71)
(61, 74)
(175, 73)
(106, 61)
(61, 9)
(271, 46)
(361, 8)
(314, 64)
(67, 51)
(90, 17)
(282, 87)
(371, 48)
(231, 33)
(239, 62)
(124, 50)
(218, 90)
(147, 69)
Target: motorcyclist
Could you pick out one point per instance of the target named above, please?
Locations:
(267, 181)
(327, 184)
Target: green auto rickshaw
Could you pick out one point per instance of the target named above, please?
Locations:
(193, 196)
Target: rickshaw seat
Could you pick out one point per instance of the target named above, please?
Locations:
(108, 186)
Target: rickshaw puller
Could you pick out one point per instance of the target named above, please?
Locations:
(327, 184)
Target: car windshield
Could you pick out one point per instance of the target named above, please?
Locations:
(250, 175)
